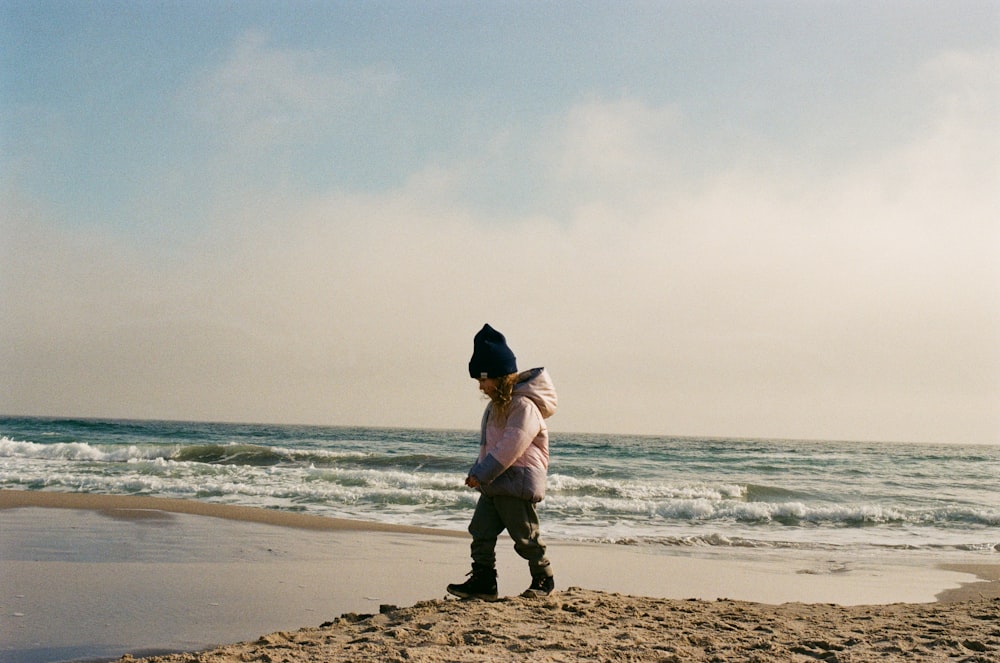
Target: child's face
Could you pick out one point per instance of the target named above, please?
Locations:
(488, 386)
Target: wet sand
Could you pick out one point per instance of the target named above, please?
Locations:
(88, 576)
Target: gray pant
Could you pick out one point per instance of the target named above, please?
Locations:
(520, 518)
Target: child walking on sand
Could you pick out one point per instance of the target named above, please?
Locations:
(511, 469)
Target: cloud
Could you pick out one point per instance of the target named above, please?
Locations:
(261, 94)
(622, 144)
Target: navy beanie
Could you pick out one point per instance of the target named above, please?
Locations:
(491, 358)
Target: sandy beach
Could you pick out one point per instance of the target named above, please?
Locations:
(584, 625)
(92, 577)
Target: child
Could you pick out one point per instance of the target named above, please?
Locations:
(511, 469)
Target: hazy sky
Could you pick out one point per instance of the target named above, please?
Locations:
(754, 219)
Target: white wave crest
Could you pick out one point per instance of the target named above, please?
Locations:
(643, 490)
(79, 451)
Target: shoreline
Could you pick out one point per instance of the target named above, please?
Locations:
(135, 574)
(138, 507)
(122, 505)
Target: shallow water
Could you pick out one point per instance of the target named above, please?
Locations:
(669, 491)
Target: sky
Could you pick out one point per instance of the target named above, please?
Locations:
(773, 219)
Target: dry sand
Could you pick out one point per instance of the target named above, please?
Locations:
(86, 576)
(584, 625)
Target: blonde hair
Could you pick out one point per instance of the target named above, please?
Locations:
(503, 395)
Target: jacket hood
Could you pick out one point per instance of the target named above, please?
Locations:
(537, 386)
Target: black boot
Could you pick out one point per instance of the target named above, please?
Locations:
(481, 585)
(540, 586)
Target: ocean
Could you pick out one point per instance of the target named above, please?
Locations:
(679, 493)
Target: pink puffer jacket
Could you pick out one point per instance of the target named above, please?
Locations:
(514, 452)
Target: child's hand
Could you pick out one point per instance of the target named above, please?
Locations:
(471, 481)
